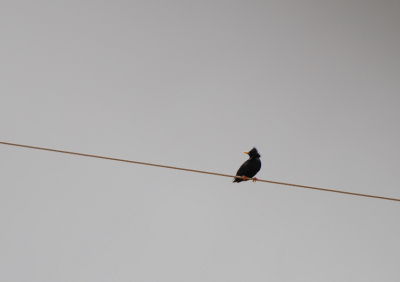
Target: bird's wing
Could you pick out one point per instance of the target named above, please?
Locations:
(243, 168)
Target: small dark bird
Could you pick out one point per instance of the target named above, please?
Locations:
(250, 167)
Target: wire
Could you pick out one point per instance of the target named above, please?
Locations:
(199, 171)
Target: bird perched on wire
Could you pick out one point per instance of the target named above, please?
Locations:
(250, 167)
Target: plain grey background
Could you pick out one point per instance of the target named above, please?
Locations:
(314, 85)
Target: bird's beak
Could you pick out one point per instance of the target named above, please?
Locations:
(246, 152)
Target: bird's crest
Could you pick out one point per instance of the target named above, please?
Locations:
(254, 153)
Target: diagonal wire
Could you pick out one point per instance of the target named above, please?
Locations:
(198, 171)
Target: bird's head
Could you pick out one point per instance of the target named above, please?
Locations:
(253, 153)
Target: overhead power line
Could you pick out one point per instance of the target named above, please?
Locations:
(198, 171)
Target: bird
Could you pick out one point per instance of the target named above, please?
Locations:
(250, 167)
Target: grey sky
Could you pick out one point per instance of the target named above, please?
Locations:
(313, 85)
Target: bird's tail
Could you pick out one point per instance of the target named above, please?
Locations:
(237, 180)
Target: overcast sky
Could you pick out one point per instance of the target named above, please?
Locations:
(314, 85)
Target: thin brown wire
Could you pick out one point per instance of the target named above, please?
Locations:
(199, 171)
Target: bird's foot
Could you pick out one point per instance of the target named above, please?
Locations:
(255, 179)
(244, 178)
